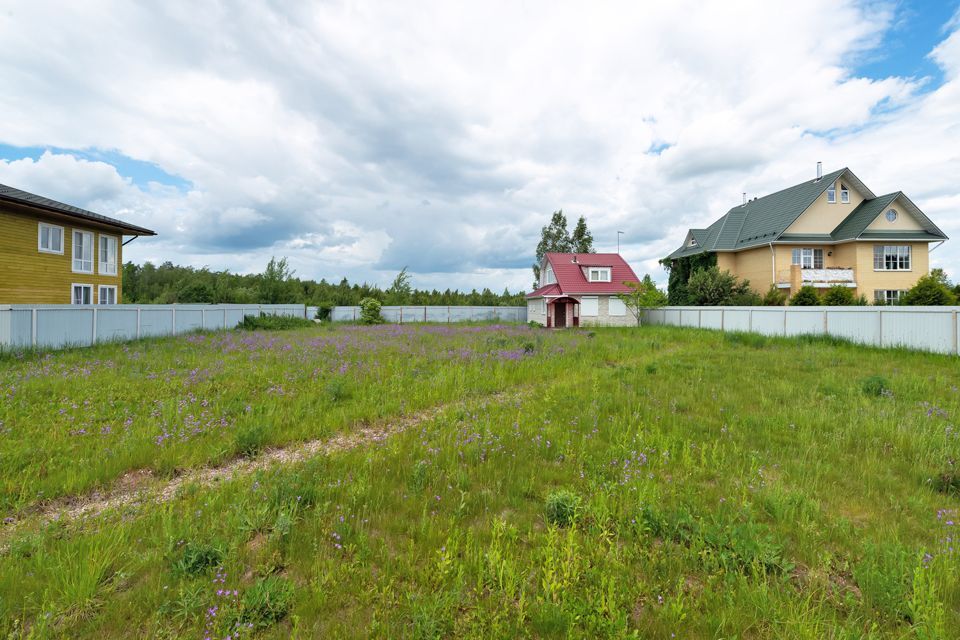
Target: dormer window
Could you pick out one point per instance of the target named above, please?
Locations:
(692, 243)
(599, 274)
(844, 194)
(832, 195)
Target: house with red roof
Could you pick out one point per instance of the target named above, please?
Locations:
(580, 289)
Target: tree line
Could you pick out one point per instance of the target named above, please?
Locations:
(277, 284)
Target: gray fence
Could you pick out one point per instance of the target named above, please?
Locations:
(407, 314)
(55, 326)
(924, 328)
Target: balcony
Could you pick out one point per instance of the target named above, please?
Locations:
(795, 277)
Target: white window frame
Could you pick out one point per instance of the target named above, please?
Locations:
(900, 255)
(73, 248)
(845, 196)
(832, 195)
(888, 296)
(103, 268)
(616, 306)
(807, 258)
(603, 274)
(46, 225)
(73, 287)
(589, 306)
(105, 287)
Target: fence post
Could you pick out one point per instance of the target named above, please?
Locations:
(424, 313)
(401, 314)
(93, 332)
(954, 330)
(33, 327)
(880, 320)
(723, 325)
(699, 318)
(173, 328)
(826, 326)
(750, 320)
(448, 314)
(203, 318)
(138, 322)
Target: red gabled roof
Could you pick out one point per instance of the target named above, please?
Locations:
(570, 278)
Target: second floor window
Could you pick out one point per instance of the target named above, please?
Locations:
(50, 238)
(808, 258)
(891, 257)
(108, 255)
(831, 195)
(844, 194)
(599, 274)
(83, 251)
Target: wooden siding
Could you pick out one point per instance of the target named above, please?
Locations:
(28, 276)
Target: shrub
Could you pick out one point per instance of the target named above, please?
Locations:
(250, 439)
(930, 291)
(370, 311)
(194, 558)
(805, 297)
(839, 295)
(875, 386)
(265, 322)
(712, 287)
(562, 508)
(324, 309)
(774, 297)
(268, 601)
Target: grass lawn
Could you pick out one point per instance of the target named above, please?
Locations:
(651, 483)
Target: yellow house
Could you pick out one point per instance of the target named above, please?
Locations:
(828, 231)
(53, 253)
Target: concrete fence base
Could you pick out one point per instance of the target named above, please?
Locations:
(923, 328)
(55, 326)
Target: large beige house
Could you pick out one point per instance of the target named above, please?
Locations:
(831, 230)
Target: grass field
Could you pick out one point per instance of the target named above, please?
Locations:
(480, 481)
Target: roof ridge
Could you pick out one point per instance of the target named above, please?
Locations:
(794, 186)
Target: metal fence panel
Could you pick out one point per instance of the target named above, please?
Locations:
(854, 325)
(802, 321)
(736, 320)
(116, 323)
(925, 330)
(156, 322)
(711, 318)
(435, 313)
(64, 327)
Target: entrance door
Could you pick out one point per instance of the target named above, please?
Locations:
(560, 314)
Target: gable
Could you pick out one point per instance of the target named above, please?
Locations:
(823, 216)
(904, 220)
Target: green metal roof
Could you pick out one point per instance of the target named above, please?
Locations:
(764, 220)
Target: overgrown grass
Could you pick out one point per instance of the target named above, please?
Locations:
(651, 482)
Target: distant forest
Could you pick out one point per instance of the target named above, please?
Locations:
(170, 283)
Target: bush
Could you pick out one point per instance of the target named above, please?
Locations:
(562, 508)
(712, 287)
(324, 309)
(774, 297)
(267, 601)
(195, 558)
(805, 297)
(265, 322)
(876, 386)
(929, 290)
(370, 311)
(838, 296)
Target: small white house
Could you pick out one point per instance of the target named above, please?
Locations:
(580, 289)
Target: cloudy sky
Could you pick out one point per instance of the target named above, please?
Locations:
(357, 138)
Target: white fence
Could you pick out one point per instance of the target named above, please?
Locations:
(923, 328)
(55, 325)
(410, 313)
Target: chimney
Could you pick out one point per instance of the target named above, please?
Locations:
(744, 197)
(574, 260)
(819, 171)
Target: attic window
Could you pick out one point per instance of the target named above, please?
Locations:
(692, 243)
(832, 194)
(599, 274)
(844, 194)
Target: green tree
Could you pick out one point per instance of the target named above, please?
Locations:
(680, 270)
(275, 283)
(930, 290)
(774, 297)
(553, 239)
(806, 296)
(400, 291)
(581, 240)
(839, 295)
(642, 295)
(370, 311)
(711, 287)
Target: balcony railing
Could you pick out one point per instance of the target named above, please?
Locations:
(822, 277)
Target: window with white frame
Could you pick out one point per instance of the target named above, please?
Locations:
(808, 258)
(891, 257)
(82, 251)
(831, 194)
(844, 194)
(107, 294)
(617, 308)
(589, 306)
(82, 294)
(50, 238)
(548, 277)
(599, 274)
(887, 296)
(108, 255)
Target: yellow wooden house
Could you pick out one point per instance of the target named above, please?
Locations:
(54, 253)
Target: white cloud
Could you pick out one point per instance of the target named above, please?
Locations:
(359, 137)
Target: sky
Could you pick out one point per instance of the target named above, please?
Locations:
(358, 138)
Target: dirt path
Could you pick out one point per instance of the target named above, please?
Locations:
(140, 487)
